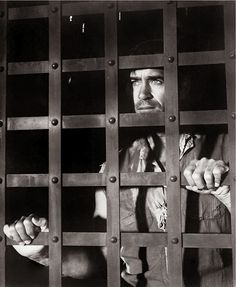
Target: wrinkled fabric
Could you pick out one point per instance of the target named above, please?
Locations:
(144, 209)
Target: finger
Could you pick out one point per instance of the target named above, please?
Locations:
(208, 174)
(13, 234)
(20, 229)
(219, 169)
(31, 230)
(189, 171)
(40, 222)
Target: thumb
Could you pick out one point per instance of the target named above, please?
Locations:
(40, 222)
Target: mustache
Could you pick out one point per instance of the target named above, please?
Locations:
(149, 102)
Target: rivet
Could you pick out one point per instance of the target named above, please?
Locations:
(174, 240)
(54, 122)
(1, 180)
(1, 14)
(1, 239)
(113, 239)
(1, 69)
(233, 116)
(55, 180)
(172, 118)
(55, 239)
(110, 5)
(1, 124)
(171, 59)
(112, 179)
(173, 178)
(54, 66)
(54, 9)
(111, 62)
(232, 55)
(112, 120)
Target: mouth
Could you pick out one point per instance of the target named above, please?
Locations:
(146, 107)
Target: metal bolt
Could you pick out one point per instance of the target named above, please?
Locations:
(55, 239)
(232, 55)
(113, 239)
(171, 59)
(112, 120)
(233, 116)
(172, 118)
(112, 179)
(1, 180)
(110, 5)
(54, 122)
(55, 180)
(111, 62)
(174, 240)
(54, 9)
(54, 66)
(173, 178)
(1, 124)
(1, 69)
(2, 14)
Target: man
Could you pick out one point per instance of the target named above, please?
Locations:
(204, 207)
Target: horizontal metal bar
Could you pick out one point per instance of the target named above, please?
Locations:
(83, 121)
(144, 239)
(140, 61)
(84, 239)
(85, 64)
(38, 67)
(82, 8)
(125, 62)
(212, 117)
(142, 179)
(84, 179)
(207, 240)
(186, 4)
(201, 58)
(94, 179)
(27, 180)
(139, 120)
(129, 6)
(190, 240)
(27, 123)
(40, 11)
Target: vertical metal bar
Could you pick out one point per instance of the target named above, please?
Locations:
(172, 146)
(55, 241)
(3, 89)
(112, 145)
(229, 29)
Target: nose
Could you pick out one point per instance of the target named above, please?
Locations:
(145, 92)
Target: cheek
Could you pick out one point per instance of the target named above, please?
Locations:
(159, 95)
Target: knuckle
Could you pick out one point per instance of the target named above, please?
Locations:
(196, 175)
(18, 225)
(27, 221)
(187, 172)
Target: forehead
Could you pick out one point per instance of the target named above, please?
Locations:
(147, 73)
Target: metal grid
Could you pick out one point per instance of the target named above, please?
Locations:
(111, 63)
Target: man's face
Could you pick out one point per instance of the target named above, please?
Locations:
(148, 90)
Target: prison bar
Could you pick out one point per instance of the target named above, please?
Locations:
(216, 117)
(229, 26)
(3, 91)
(55, 241)
(112, 145)
(174, 252)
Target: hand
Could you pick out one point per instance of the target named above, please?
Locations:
(24, 231)
(204, 175)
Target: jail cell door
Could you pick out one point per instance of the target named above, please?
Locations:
(65, 109)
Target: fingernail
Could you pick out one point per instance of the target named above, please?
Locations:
(217, 184)
(27, 241)
(194, 188)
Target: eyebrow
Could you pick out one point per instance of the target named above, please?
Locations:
(149, 77)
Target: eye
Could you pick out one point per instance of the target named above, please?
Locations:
(158, 81)
(135, 82)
